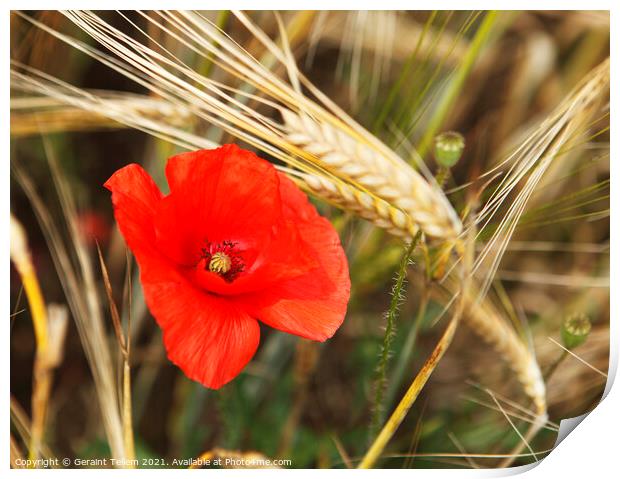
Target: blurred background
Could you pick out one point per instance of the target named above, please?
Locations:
(308, 402)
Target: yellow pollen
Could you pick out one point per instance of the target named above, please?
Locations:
(220, 263)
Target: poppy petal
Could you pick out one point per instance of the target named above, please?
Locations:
(135, 197)
(222, 194)
(208, 337)
(312, 305)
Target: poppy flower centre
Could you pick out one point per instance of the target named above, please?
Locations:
(220, 263)
(222, 259)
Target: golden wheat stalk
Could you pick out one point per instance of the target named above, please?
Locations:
(97, 107)
(36, 115)
(363, 204)
(393, 181)
(496, 332)
(533, 160)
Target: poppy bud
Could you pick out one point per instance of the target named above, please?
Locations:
(575, 330)
(449, 148)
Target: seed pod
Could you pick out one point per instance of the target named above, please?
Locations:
(449, 148)
(575, 330)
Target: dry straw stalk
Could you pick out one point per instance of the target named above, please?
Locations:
(50, 328)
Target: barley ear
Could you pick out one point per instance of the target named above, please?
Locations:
(383, 174)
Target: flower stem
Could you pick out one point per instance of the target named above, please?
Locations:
(405, 355)
(391, 315)
(549, 372)
(442, 176)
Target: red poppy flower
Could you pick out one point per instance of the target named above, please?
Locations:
(234, 242)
